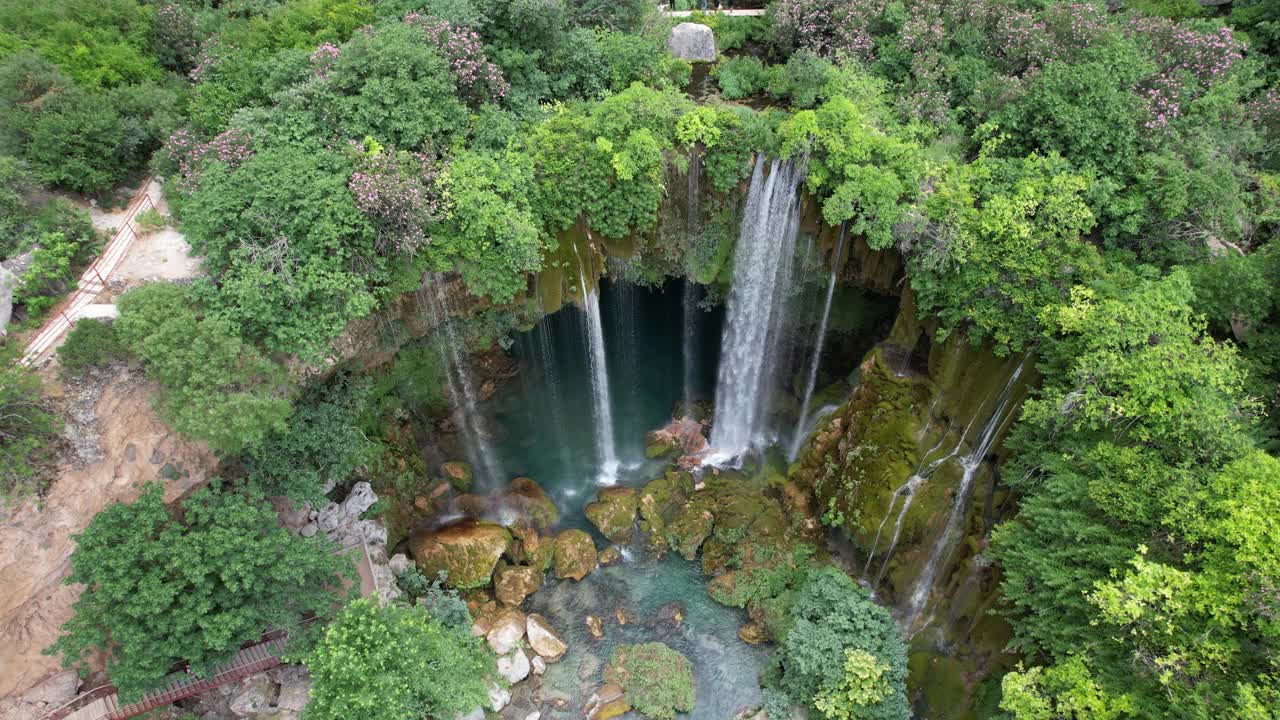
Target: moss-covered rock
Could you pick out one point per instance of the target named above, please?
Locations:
(691, 526)
(530, 502)
(613, 512)
(513, 583)
(575, 555)
(467, 551)
(656, 681)
(459, 474)
(662, 498)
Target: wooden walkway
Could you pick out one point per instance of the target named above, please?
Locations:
(92, 281)
(103, 702)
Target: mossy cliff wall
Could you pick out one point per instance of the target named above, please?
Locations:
(887, 469)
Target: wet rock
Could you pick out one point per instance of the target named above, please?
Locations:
(752, 633)
(682, 436)
(606, 703)
(506, 632)
(527, 499)
(595, 626)
(544, 639)
(620, 615)
(467, 551)
(689, 528)
(513, 583)
(538, 664)
(671, 613)
(659, 502)
(613, 512)
(609, 556)
(575, 555)
(459, 474)
(514, 667)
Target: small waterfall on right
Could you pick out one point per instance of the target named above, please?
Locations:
(475, 438)
(762, 263)
(950, 533)
(798, 438)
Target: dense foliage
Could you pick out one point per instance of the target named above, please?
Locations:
(395, 663)
(162, 588)
(27, 432)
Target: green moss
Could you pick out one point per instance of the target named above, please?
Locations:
(613, 512)
(656, 681)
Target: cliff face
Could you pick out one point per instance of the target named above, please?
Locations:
(905, 469)
(127, 445)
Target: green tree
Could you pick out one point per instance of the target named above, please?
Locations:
(1066, 691)
(832, 617)
(216, 386)
(491, 231)
(1000, 243)
(162, 587)
(292, 255)
(395, 663)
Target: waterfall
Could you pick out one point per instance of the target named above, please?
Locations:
(762, 264)
(947, 540)
(689, 304)
(476, 443)
(551, 386)
(602, 409)
(817, 349)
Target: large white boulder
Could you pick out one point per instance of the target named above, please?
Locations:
(693, 42)
(514, 667)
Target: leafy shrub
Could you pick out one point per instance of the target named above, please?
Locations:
(28, 432)
(216, 387)
(655, 680)
(90, 343)
(395, 663)
(150, 220)
(832, 617)
(741, 76)
(440, 602)
(49, 274)
(163, 587)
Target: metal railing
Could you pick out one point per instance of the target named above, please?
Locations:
(63, 316)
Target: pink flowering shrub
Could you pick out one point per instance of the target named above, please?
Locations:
(478, 79)
(396, 191)
(828, 27)
(206, 58)
(1188, 62)
(190, 154)
(173, 33)
(323, 58)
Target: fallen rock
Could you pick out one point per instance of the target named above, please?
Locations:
(295, 688)
(613, 512)
(360, 499)
(693, 42)
(466, 551)
(539, 665)
(514, 667)
(513, 583)
(608, 556)
(575, 555)
(544, 639)
(595, 626)
(498, 697)
(459, 474)
(606, 703)
(506, 632)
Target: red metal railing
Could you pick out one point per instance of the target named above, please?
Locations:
(63, 316)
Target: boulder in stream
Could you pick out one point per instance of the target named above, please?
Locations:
(544, 639)
(467, 551)
(575, 555)
(513, 583)
(613, 512)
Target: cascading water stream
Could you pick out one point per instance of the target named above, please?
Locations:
(947, 540)
(761, 272)
(476, 443)
(602, 406)
(817, 350)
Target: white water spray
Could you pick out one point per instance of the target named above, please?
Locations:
(479, 451)
(761, 270)
(946, 541)
(817, 351)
